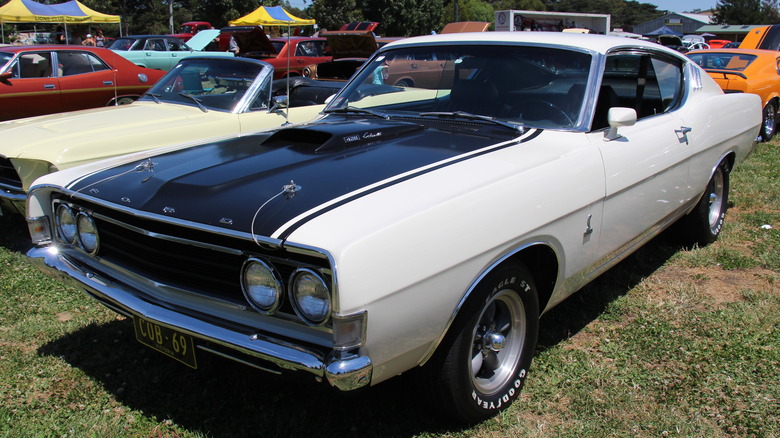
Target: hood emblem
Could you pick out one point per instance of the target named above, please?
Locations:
(125, 199)
(226, 221)
(146, 165)
(169, 210)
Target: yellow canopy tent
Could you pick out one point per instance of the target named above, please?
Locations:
(270, 16)
(28, 11)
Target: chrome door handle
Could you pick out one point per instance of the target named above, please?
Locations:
(48, 86)
(108, 82)
(683, 130)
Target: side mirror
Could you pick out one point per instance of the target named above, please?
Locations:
(6, 75)
(278, 102)
(616, 117)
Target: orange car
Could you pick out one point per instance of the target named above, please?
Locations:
(746, 71)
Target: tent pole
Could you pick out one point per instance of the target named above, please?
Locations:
(2, 30)
(66, 32)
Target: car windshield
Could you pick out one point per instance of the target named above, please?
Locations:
(530, 86)
(723, 61)
(4, 58)
(123, 43)
(216, 84)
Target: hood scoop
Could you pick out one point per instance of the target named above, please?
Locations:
(339, 136)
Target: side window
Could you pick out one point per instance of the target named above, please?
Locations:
(156, 45)
(74, 63)
(649, 83)
(33, 65)
(173, 46)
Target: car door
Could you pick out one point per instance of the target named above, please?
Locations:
(156, 54)
(646, 166)
(32, 89)
(85, 80)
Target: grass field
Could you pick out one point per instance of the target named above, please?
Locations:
(674, 341)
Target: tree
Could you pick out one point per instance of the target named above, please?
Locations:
(332, 14)
(468, 10)
(404, 17)
(746, 12)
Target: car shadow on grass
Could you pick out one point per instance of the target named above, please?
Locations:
(14, 235)
(226, 399)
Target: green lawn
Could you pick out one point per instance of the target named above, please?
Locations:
(674, 341)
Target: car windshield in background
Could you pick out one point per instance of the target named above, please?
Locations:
(210, 85)
(531, 86)
(723, 61)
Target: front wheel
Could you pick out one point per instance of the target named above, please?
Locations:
(480, 370)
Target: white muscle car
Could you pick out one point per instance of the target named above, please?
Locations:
(410, 226)
(200, 98)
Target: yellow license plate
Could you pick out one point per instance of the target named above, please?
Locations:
(167, 341)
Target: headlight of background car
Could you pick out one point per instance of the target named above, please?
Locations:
(66, 224)
(261, 286)
(310, 296)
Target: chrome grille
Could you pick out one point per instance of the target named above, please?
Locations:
(194, 260)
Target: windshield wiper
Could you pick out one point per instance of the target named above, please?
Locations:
(154, 96)
(470, 116)
(196, 100)
(354, 109)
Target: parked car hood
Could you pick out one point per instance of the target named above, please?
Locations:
(225, 183)
(200, 40)
(101, 132)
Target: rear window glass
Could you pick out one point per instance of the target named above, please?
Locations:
(723, 61)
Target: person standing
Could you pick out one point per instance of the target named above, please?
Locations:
(89, 40)
(100, 40)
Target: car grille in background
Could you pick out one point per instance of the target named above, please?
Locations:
(8, 176)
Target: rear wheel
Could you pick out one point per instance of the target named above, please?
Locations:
(705, 222)
(124, 100)
(768, 121)
(480, 370)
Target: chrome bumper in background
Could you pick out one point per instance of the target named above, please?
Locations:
(343, 370)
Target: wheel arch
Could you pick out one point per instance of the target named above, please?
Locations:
(540, 258)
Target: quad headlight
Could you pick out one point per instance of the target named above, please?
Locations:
(261, 286)
(65, 219)
(310, 296)
(76, 228)
(88, 233)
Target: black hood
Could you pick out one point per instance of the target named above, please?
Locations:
(225, 183)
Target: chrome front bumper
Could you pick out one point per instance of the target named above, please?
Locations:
(346, 371)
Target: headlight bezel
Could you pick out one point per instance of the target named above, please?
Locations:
(293, 292)
(89, 221)
(274, 273)
(62, 233)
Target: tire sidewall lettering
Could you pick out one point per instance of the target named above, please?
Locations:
(502, 399)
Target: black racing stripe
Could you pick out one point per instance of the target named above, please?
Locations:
(286, 233)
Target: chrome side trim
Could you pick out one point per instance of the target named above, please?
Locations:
(346, 371)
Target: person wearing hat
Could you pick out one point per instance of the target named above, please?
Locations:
(88, 40)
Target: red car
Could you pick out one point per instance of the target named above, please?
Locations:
(37, 80)
(301, 51)
(190, 28)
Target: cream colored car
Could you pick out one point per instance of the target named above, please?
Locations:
(200, 98)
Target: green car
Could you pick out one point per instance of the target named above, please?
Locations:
(162, 52)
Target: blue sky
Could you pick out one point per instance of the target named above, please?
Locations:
(682, 5)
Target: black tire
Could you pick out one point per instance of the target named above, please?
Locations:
(705, 222)
(481, 367)
(404, 83)
(768, 121)
(126, 100)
